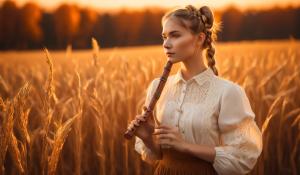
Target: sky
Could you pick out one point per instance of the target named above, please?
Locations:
(50, 4)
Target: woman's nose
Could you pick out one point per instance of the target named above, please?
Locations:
(167, 44)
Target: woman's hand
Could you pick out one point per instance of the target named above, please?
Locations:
(145, 128)
(170, 137)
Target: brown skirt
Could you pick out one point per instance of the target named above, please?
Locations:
(177, 163)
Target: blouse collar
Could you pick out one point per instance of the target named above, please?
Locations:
(199, 78)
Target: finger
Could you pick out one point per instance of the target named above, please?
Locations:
(160, 131)
(145, 108)
(166, 127)
(175, 129)
(164, 136)
(137, 116)
(130, 126)
(164, 142)
(171, 129)
(149, 113)
(142, 118)
(136, 123)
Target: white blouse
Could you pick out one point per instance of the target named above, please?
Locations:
(209, 110)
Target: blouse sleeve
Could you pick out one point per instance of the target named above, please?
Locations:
(241, 139)
(146, 154)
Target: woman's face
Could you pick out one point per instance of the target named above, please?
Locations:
(179, 43)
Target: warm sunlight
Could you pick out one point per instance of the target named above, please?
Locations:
(163, 3)
(92, 87)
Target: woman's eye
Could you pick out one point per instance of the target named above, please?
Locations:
(172, 36)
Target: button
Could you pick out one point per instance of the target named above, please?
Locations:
(179, 110)
(182, 131)
(183, 91)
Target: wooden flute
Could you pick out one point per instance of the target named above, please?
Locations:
(130, 131)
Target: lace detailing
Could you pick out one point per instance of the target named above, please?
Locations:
(205, 125)
(240, 149)
(245, 136)
(197, 94)
(173, 93)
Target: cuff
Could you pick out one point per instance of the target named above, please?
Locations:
(219, 157)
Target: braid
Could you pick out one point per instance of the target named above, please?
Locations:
(192, 11)
(210, 52)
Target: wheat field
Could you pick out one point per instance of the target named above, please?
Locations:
(65, 112)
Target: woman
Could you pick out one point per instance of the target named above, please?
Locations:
(206, 123)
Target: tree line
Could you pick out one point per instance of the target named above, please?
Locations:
(31, 27)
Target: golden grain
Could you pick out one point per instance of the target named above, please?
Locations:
(75, 124)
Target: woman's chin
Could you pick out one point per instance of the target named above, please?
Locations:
(173, 59)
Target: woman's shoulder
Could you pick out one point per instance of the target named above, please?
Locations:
(155, 81)
(227, 86)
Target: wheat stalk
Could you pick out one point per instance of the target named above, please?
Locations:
(5, 132)
(15, 153)
(58, 143)
(50, 90)
(96, 49)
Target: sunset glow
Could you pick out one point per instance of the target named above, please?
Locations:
(162, 3)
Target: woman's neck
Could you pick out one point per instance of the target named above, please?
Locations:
(192, 66)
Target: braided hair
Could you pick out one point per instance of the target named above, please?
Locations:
(201, 20)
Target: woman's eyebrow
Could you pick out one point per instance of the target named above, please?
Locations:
(172, 32)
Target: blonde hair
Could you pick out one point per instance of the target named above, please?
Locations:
(201, 20)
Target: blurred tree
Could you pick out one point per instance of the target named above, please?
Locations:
(48, 27)
(277, 22)
(105, 30)
(30, 32)
(151, 28)
(129, 23)
(67, 23)
(232, 20)
(8, 25)
(1, 24)
(297, 22)
(249, 27)
(122, 21)
(88, 20)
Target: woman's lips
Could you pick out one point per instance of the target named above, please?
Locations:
(170, 54)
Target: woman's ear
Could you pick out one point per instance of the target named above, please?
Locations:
(201, 38)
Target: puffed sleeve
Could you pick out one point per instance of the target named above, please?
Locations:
(241, 139)
(146, 154)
